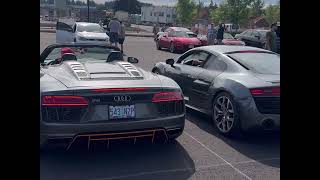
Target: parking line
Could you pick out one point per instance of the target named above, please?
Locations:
(218, 156)
(200, 168)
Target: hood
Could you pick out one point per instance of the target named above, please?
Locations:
(186, 40)
(96, 74)
(271, 78)
(93, 35)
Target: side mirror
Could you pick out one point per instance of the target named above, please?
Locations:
(170, 62)
(132, 60)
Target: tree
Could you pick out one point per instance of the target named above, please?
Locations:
(233, 11)
(131, 6)
(272, 13)
(186, 9)
(256, 8)
(220, 14)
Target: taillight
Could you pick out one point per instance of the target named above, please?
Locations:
(64, 101)
(167, 96)
(117, 89)
(275, 91)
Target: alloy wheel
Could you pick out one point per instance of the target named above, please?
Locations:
(224, 114)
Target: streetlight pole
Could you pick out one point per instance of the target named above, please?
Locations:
(88, 11)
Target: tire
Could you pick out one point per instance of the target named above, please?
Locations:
(226, 118)
(171, 48)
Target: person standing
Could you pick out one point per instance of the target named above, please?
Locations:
(114, 27)
(220, 33)
(271, 36)
(212, 34)
(122, 34)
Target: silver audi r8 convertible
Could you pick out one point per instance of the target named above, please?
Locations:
(90, 92)
(238, 85)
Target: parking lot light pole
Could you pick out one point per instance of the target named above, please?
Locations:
(88, 10)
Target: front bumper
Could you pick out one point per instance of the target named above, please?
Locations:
(252, 120)
(93, 42)
(52, 131)
(185, 47)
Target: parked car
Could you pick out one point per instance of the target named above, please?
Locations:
(238, 85)
(89, 91)
(176, 40)
(81, 33)
(228, 39)
(253, 37)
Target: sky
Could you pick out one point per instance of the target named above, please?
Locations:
(173, 2)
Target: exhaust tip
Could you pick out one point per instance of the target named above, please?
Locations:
(268, 124)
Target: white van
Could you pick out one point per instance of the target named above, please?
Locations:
(232, 27)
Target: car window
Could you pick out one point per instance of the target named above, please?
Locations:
(82, 54)
(255, 33)
(247, 33)
(262, 63)
(90, 28)
(263, 34)
(199, 56)
(215, 63)
(188, 57)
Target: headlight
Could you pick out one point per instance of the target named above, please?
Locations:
(82, 38)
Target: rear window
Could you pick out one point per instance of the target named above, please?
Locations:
(262, 63)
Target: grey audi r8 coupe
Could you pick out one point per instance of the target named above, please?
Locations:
(89, 93)
(238, 85)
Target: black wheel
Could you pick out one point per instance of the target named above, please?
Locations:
(171, 48)
(225, 115)
(158, 45)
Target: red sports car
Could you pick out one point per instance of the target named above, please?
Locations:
(228, 39)
(176, 40)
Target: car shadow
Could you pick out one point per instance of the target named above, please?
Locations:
(248, 144)
(128, 161)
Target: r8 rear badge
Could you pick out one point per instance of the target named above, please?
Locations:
(122, 98)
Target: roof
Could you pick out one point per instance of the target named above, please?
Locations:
(222, 49)
(86, 23)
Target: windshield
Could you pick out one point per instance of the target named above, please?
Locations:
(180, 34)
(263, 34)
(192, 35)
(227, 36)
(82, 54)
(262, 63)
(90, 28)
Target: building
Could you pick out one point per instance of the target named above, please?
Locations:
(61, 10)
(158, 14)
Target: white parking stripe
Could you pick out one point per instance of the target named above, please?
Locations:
(218, 156)
(200, 168)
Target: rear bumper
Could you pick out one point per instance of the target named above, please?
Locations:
(69, 131)
(252, 120)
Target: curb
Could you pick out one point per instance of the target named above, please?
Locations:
(129, 34)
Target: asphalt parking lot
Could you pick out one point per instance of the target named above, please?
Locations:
(199, 153)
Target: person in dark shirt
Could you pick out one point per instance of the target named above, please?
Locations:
(271, 38)
(220, 33)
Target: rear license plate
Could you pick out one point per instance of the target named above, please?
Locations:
(191, 46)
(122, 112)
